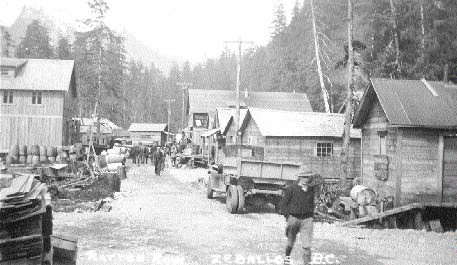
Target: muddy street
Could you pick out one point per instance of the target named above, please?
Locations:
(167, 219)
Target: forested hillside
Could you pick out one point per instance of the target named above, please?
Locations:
(129, 91)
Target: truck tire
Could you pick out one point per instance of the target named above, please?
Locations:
(241, 199)
(232, 199)
(209, 191)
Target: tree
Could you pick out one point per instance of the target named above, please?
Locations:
(64, 49)
(36, 43)
(348, 112)
(7, 42)
(279, 21)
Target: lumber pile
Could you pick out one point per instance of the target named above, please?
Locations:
(25, 219)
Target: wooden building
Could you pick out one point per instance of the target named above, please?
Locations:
(312, 138)
(86, 125)
(38, 100)
(149, 133)
(202, 105)
(409, 140)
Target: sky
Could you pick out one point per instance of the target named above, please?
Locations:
(187, 29)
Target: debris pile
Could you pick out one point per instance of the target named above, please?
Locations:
(25, 220)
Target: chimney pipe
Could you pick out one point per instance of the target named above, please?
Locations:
(446, 73)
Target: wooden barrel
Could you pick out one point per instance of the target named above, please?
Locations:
(14, 150)
(111, 159)
(35, 160)
(43, 159)
(114, 151)
(35, 150)
(22, 159)
(52, 159)
(29, 159)
(22, 150)
(59, 150)
(362, 195)
(72, 150)
(43, 150)
(114, 167)
(102, 161)
(10, 160)
(51, 151)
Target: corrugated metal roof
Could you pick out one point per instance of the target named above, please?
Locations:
(289, 123)
(207, 101)
(39, 74)
(225, 114)
(410, 103)
(148, 127)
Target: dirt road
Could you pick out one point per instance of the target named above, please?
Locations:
(168, 220)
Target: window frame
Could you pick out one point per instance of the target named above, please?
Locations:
(37, 97)
(9, 96)
(382, 143)
(319, 150)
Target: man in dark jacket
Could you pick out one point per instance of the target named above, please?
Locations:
(297, 206)
(157, 157)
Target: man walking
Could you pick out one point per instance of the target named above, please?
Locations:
(297, 206)
(157, 158)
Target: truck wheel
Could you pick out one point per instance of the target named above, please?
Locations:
(232, 199)
(209, 191)
(241, 199)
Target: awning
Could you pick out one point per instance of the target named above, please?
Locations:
(210, 132)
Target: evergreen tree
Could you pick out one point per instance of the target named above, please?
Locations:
(6, 43)
(279, 20)
(64, 49)
(36, 43)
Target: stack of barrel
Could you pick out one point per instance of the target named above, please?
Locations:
(114, 159)
(33, 154)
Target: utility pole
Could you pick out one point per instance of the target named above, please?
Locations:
(238, 81)
(184, 86)
(169, 100)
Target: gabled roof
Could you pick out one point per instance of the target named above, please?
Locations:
(226, 115)
(106, 126)
(39, 74)
(411, 103)
(148, 127)
(207, 101)
(289, 123)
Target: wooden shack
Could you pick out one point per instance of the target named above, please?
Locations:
(202, 105)
(312, 138)
(149, 133)
(409, 140)
(38, 100)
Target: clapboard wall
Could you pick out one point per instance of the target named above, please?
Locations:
(304, 150)
(25, 123)
(415, 160)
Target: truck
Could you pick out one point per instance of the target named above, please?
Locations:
(243, 179)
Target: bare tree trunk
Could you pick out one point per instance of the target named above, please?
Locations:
(422, 30)
(325, 94)
(348, 113)
(393, 18)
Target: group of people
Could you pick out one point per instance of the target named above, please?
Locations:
(141, 153)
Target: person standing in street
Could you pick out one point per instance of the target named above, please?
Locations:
(133, 154)
(157, 158)
(297, 206)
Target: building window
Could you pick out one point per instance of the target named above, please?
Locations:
(36, 97)
(5, 71)
(382, 143)
(324, 150)
(252, 140)
(7, 96)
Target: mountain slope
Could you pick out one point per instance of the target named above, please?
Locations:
(57, 28)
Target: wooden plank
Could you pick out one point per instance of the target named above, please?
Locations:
(375, 216)
(439, 171)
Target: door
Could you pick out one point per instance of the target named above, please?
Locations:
(450, 169)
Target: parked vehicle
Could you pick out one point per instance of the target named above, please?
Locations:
(248, 178)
